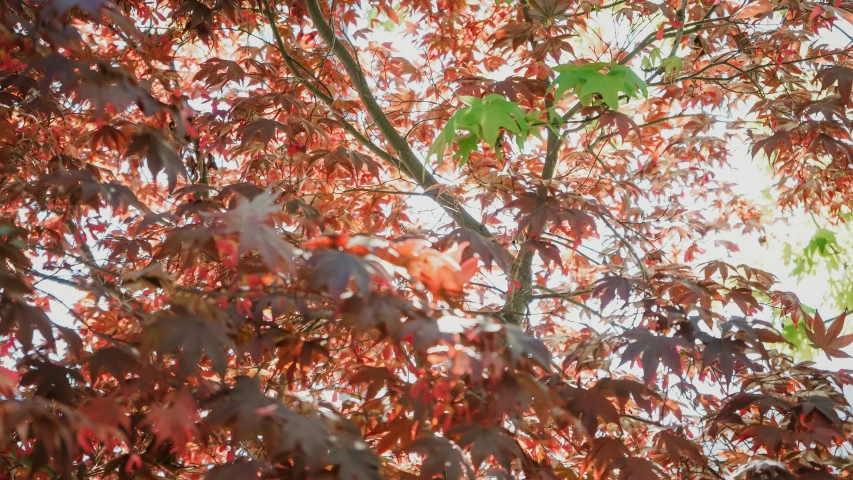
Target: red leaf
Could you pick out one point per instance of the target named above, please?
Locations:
(175, 421)
(840, 75)
(623, 123)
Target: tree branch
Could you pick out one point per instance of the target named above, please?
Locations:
(694, 27)
(407, 161)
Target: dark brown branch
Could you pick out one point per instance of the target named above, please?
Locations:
(407, 161)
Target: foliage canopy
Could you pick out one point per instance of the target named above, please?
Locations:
(215, 261)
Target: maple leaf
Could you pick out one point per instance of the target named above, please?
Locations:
(623, 389)
(442, 458)
(841, 75)
(377, 379)
(333, 270)
(829, 339)
(677, 446)
(152, 146)
(538, 209)
(623, 123)
(768, 436)
(175, 421)
(725, 353)
(26, 318)
(830, 108)
(152, 276)
(549, 10)
(634, 468)
(610, 286)
(831, 146)
(72, 340)
(513, 35)
(587, 80)
(399, 431)
(602, 456)
(376, 310)
(588, 405)
(8, 381)
(444, 274)
(758, 9)
(523, 346)
(356, 464)
(516, 88)
(484, 119)
(772, 143)
(51, 381)
(116, 195)
(307, 435)
(358, 345)
(654, 349)
(350, 160)
(743, 298)
(11, 248)
(485, 442)
(61, 7)
(240, 407)
(109, 418)
(742, 401)
(748, 330)
(821, 404)
(251, 219)
(262, 130)
(548, 252)
(487, 249)
(186, 334)
(113, 360)
(217, 72)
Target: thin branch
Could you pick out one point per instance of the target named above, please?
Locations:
(694, 27)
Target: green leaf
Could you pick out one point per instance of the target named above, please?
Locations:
(608, 86)
(672, 65)
(655, 55)
(588, 80)
(466, 146)
(483, 119)
(633, 82)
(821, 242)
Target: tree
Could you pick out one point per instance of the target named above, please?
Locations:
(356, 240)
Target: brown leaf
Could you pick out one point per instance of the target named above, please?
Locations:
(27, 319)
(151, 145)
(604, 453)
(840, 75)
(829, 339)
(441, 458)
(175, 421)
(677, 446)
(186, 334)
(654, 349)
(486, 442)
